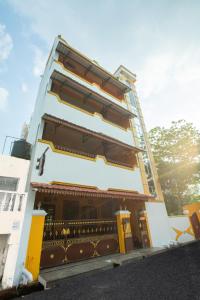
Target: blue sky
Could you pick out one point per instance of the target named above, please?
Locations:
(157, 40)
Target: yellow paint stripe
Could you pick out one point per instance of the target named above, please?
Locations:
(86, 112)
(82, 156)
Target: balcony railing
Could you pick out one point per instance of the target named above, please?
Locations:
(64, 229)
(12, 201)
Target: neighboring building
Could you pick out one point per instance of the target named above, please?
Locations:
(13, 176)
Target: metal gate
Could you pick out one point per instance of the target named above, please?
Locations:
(195, 225)
(70, 241)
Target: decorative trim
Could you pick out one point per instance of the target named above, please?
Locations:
(74, 184)
(83, 157)
(46, 244)
(179, 232)
(93, 133)
(122, 212)
(86, 192)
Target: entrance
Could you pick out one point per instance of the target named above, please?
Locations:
(74, 240)
(81, 222)
(77, 228)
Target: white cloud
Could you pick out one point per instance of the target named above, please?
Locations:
(6, 43)
(48, 19)
(24, 87)
(169, 87)
(155, 74)
(39, 61)
(3, 98)
(156, 44)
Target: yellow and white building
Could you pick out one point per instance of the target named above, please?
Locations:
(91, 172)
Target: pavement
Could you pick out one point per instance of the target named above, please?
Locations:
(49, 277)
(174, 274)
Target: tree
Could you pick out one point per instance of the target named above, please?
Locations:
(176, 152)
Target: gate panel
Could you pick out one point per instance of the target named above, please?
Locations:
(52, 256)
(79, 251)
(195, 225)
(70, 241)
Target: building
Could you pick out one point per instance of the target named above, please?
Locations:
(85, 163)
(91, 168)
(13, 199)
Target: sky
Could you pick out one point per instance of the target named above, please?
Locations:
(156, 39)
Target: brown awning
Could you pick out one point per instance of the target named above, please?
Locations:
(88, 191)
(67, 81)
(65, 49)
(90, 132)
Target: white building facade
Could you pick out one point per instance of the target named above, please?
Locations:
(87, 162)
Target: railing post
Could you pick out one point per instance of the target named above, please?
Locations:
(124, 231)
(15, 198)
(4, 202)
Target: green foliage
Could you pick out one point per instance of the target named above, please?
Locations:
(176, 151)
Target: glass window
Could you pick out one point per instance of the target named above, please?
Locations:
(8, 183)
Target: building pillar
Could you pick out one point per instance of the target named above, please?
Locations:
(35, 243)
(124, 231)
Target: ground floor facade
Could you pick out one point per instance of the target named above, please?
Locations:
(81, 222)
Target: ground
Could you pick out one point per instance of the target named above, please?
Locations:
(174, 274)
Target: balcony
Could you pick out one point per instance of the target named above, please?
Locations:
(61, 109)
(66, 167)
(12, 208)
(90, 71)
(77, 139)
(12, 201)
(59, 68)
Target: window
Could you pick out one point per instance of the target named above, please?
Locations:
(8, 183)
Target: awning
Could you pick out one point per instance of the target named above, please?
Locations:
(67, 50)
(67, 81)
(73, 190)
(90, 132)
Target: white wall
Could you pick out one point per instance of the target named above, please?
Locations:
(69, 169)
(158, 224)
(55, 108)
(11, 222)
(58, 67)
(15, 167)
(181, 225)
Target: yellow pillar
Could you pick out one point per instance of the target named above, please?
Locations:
(35, 243)
(124, 229)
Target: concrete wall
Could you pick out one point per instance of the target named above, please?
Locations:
(181, 229)
(95, 122)
(94, 87)
(69, 169)
(15, 167)
(158, 222)
(166, 229)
